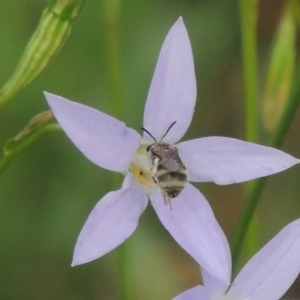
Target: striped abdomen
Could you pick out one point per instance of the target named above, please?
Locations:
(171, 183)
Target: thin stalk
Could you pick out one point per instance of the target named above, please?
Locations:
(113, 57)
(113, 66)
(126, 271)
(9, 157)
(240, 232)
(248, 12)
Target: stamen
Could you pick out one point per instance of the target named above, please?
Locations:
(142, 176)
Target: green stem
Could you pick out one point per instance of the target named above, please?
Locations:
(115, 90)
(8, 157)
(126, 271)
(248, 11)
(252, 200)
(113, 59)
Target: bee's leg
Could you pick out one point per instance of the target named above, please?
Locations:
(167, 201)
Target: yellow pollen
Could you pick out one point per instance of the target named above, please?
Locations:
(141, 175)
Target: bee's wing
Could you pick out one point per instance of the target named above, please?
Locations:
(171, 160)
(168, 159)
(171, 164)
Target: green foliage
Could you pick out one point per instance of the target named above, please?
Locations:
(280, 76)
(46, 42)
(30, 134)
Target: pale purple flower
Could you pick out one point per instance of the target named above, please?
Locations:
(108, 143)
(267, 276)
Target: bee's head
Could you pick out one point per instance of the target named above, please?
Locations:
(149, 147)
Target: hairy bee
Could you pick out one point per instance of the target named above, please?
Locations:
(168, 171)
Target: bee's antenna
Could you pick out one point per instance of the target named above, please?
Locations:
(168, 129)
(149, 133)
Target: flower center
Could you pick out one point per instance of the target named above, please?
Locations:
(141, 168)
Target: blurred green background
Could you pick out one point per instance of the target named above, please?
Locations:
(47, 193)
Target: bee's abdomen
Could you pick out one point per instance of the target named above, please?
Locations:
(171, 177)
(172, 183)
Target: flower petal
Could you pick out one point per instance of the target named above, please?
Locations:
(111, 222)
(172, 94)
(197, 293)
(192, 224)
(270, 273)
(103, 139)
(212, 289)
(226, 160)
(212, 284)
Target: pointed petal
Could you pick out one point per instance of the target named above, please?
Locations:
(226, 160)
(197, 293)
(192, 224)
(111, 222)
(270, 273)
(103, 139)
(172, 94)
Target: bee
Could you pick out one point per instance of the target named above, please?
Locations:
(168, 171)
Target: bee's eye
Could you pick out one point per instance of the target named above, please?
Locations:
(148, 148)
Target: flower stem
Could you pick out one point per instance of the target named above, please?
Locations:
(252, 200)
(26, 143)
(126, 278)
(115, 90)
(248, 11)
(113, 60)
